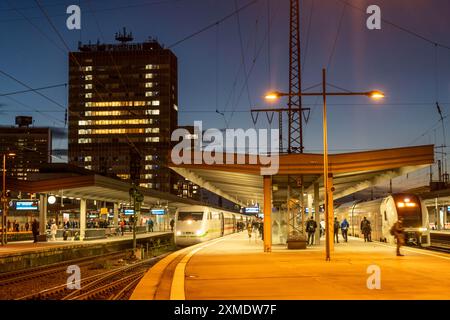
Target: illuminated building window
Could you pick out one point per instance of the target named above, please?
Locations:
(88, 77)
(115, 104)
(149, 94)
(84, 131)
(175, 107)
(88, 159)
(151, 66)
(151, 130)
(88, 104)
(152, 139)
(82, 123)
(88, 95)
(148, 158)
(152, 112)
(88, 86)
(85, 140)
(88, 167)
(123, 176)
(88, 68)
(155, 103)
(149, 85)
(148, 176)
(149, 76)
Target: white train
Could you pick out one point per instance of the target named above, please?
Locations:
(194, 224)
(383, 213)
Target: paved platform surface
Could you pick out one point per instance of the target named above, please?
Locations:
(28, 246)
(234, 268)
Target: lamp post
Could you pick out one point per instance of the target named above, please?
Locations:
(328, 199)
(5, 199)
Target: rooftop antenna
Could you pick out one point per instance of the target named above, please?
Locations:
(124, 37)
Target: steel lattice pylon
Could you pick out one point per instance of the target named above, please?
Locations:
(295, 115)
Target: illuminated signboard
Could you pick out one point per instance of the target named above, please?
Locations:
(128, 211)
(158, 211)
(27, 205)
(252, 210)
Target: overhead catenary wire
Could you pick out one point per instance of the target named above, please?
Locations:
(33, 89)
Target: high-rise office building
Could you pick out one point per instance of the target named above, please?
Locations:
(32, 147)
(123, 107)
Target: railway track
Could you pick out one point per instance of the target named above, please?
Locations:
(115, 284)
(14, 277)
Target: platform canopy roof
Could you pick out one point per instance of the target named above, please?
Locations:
(352, 172)
(95, 187)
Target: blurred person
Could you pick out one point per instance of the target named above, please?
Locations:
(398, 231)
(53, 230)
(35, 230)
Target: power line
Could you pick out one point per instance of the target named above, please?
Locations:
(32, 90)
(209, 26)
(413, 33)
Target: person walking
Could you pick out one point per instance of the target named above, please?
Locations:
(336, 230)
(311, 227)
(322, 227)
(261, 230)
(27, 226)
(35, 230)
(122, 226)
(172, 224)
(249, 230)
(344, 229)
(398, 232)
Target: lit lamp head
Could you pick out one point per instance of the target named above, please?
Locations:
(11, 154)
(272, 96)
(376, 95)
(51, 199)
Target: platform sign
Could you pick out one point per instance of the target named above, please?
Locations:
(128, 211)
(158, 212)
(27, 205)
(251, 210)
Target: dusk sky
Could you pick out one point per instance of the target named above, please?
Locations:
(394, 61)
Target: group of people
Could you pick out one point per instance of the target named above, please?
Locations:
(255, 226)
(397, 231)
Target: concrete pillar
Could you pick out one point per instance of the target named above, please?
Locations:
(42, 213)
(116, 215)
(267, 213)
(82, 218)
(317, 212)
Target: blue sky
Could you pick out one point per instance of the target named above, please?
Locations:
(400, 64)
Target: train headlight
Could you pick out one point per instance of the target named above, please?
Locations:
(178, 233)
(198, 232)
(423, 229)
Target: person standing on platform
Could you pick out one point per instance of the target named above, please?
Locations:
(322, 228)
(172, 224)
(53, 230)
(35, 230)
(336, 227)
(398, 232)
(365, 229)
(150, 225)
(122, 226)
(261, 230)
(311, 227)
(344, 229)
(27, 226)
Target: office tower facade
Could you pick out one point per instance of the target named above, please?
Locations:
(32, 147)
(123, 107)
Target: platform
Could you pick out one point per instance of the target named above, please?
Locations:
(234, 268)
(26, 254)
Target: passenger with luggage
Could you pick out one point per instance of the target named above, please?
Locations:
(336, 230)
(311, 227)
(344, 229)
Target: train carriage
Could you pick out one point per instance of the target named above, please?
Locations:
(195, 224)
(383, 213)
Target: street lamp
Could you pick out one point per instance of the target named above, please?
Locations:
(374, 94)
(4, 198)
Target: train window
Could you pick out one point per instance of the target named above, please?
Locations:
(385, 215)
(209, 216)
(195, 216)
